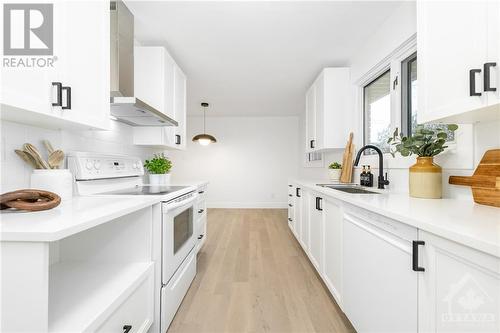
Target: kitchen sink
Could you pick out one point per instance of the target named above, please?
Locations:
(354, 189)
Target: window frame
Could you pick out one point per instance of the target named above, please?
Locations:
(365, 116)
(405, 100)
(458, 155)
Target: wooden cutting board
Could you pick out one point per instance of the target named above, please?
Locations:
(347, 161)
(485, 182)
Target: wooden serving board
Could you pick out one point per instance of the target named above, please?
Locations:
(485, 182)
(346, 173)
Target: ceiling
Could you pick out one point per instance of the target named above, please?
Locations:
(256, 58)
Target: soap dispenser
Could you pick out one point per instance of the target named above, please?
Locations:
(362, 177)
(369, 177)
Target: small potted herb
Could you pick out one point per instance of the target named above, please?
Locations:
(158, 167)
(425, 176)
(334, 170)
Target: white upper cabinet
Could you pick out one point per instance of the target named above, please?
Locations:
(71, 87)
(458, 61)
(160, 82)
(329, 113)
(459, 291)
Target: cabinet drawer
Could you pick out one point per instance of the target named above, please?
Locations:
(136, 311)
(202, 192)
(201, 209)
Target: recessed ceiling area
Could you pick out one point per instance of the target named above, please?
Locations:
(256, 58)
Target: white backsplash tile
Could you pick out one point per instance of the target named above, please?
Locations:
(15, 173)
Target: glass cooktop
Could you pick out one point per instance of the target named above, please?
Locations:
(147, 190)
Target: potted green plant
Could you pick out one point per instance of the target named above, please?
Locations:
(334, 170)
(425, 176)
(158, 168)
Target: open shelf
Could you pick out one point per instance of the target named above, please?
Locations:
(83, 294)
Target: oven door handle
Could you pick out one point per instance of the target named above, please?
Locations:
(171, 206)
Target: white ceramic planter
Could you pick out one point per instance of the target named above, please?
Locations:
(159, 179)
(59, 181)
(334, 174)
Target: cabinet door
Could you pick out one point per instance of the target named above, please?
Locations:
(29, 87)
(316, 231)
(494, 51)
(379, 291)
(84, 62)
(459, 291)
(332, 272)
(180, 107)
(319, 121)
(304, 221)
(298, 210)
(310, 118)
(446, 54)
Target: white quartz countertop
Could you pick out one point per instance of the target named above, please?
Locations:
(79, 214)
(462, 221)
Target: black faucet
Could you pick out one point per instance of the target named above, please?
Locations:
(381, 180)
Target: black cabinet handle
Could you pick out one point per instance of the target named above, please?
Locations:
(290, 195)
(177, 139)
(200, 236)
(297, 192)
(201, 192)
(290, 205)
(289, 219)
(290, 185)
(417, 268)
(127, 328)
(311, 143)
(58, 85)
(68, 98)
(318, 203)
(201, 211)
(487, 79)
(472, 82)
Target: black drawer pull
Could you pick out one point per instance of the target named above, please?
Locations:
(58, 85)
(177, 139)
(290, 195)
(318, 203)
(290, 185)
(68, 98)
(487, 79)
(290, 205)
(311, 143)
(472, 82)
(289, 219)
(297, 190)
(201, 211)
(127, 328)
(201, 192)
(417, 268)
(200, 236)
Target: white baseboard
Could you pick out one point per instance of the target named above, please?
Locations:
(247, 204)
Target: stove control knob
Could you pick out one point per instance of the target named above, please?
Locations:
(97, 165)
(89, 165)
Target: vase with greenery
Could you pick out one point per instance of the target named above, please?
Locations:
(334, 170)
(158, 168)
(425, 176)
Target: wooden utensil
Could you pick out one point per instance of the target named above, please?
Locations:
(27, 158)
(55, 159)
(48, 146)
(485, 181)
(346, 174)
(30, 149)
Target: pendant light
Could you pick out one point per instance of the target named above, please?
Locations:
(204, 139)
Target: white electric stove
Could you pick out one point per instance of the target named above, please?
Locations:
(98, 174)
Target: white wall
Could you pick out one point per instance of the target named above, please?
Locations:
(250, 164)
(15, 174)
(397, 29)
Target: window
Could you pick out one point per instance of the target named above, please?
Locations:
(377, 111)
(409, 90)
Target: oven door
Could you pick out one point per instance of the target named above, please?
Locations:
(178, 237)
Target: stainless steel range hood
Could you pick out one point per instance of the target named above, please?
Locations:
(125, 107)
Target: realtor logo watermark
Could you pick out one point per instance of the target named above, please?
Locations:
(28, 35)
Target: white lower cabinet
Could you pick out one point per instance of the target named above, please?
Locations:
(316, 231)
(459, 291)
(332, 239)
(136, 312)
(304, 219)
(379, 285)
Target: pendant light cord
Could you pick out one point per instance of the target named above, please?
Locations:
(204, 120)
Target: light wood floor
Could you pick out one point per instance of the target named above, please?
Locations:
(253, 277)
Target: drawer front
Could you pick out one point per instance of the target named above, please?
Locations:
(201, 234)
(136, 311)
(173, 293)
(202, 192)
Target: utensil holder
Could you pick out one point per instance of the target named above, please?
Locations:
(59, 181)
